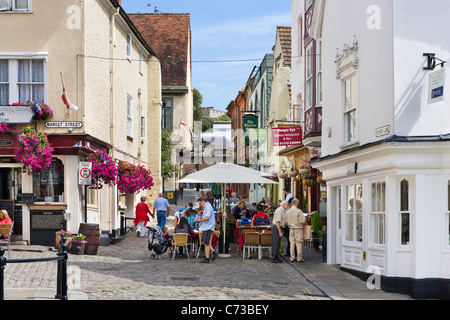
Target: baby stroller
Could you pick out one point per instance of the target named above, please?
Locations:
(157, 243)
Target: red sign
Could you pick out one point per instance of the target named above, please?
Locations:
(288, 136)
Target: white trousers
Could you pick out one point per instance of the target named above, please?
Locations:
(141, 228)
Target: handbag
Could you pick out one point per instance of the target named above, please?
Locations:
(307, 235)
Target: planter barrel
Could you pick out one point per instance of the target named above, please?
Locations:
(92, 233)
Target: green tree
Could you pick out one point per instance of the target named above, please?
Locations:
(168, 169)
(224, 117)
(198, 100)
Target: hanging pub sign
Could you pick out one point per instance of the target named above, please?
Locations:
(436, 86)
(249, 121)
(288, 136)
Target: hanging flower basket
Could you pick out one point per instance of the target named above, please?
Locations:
(5, 127)
(34, 152)
(104, 171)
(42, 110)
(293, 172)
(133, 179)
(283, 174)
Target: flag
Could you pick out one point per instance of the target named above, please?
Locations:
(186, 127)
(65, 98)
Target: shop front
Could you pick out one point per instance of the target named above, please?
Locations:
(47, 201)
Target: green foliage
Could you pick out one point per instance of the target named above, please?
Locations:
(198, 100)
(168, 169)
(316, 222)
(224, 117)
(207, 124)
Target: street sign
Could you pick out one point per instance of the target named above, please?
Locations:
(63, 124)
(16, 114)
(85, 173)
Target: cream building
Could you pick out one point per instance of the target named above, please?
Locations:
(111, 74)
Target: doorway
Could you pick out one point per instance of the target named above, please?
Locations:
(10, 195)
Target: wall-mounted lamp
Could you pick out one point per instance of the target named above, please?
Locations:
(431, 61)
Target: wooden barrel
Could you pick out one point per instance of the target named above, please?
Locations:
(92, 233)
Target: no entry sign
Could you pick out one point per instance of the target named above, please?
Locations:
(85, 173)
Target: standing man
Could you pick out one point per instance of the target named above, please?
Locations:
(277, 233)
(295, 220)
(288, 194)
(141, 220)
(161, 206)
(207, 228)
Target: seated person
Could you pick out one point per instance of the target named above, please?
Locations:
(191, 210)
(4, 219)
(261, 215)
(240, 211)
(184, 227)
(166, 234)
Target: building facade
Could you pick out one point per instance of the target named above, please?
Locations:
(384, 148)
(169, 35)
(111, 75)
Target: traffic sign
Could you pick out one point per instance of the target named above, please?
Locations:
(85, 173)
(16, 114)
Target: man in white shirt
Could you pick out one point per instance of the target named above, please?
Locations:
(278, 221)
(295, 219)
(288, 194)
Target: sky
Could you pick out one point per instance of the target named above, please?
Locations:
(223, 34)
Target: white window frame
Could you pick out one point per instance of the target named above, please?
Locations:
(347, 112)
(129, 45)
(13, 72)
(319, 82)
(129, 116)
(354, 214)
(402, 211)
(11, 6)
(378, 213)
(309, 86)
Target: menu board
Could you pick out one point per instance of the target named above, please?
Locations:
(47, 220)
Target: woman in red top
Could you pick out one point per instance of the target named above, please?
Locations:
(142, 211)
(4, 219)
(260, 215)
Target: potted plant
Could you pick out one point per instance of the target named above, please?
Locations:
(68, 236)
(309, 178)
(34, 151)
(5, 127)
(77, 244)
(316, 226)
(293, 172)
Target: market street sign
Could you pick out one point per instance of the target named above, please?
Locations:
(85, 173)
(16, 114)
(63, 124)
(288, 136)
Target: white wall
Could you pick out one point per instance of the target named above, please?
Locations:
(343, 20)
(419, 29)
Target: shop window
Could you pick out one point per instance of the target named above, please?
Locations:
(378, 212)
(48, 185)
(354, 213)
(404, 212)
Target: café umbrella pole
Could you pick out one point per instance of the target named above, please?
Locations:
(224, 212)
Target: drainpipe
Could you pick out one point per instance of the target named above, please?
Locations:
(111, 75)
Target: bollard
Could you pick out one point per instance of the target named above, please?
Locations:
(61, 286)
(2, 273)
(123, 225)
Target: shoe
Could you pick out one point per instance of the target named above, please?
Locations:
(214, 255)
(276, 261)
(205, 261)
(303, 260)
(138, 233)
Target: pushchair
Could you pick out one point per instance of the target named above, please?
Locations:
(157, 243)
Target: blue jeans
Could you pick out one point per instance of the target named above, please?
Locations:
(161, 216)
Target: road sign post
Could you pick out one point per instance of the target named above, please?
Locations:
(85, 178)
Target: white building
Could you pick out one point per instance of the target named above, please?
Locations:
(385, 141)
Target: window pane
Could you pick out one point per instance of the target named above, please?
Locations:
(38, 70)
(24, 71)
(4, 4)
(448, 196)
(24, 93)
(350, 227)
(4, 71)
(21, 4)
(38, 92)
(4, 94)
(378, 228)
(405, 229)
(404, 195)
(48, 185)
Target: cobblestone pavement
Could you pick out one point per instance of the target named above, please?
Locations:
(125, 271)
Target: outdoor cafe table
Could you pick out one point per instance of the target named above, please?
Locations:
(242, 236)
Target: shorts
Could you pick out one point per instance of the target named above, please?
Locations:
(206, 236)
